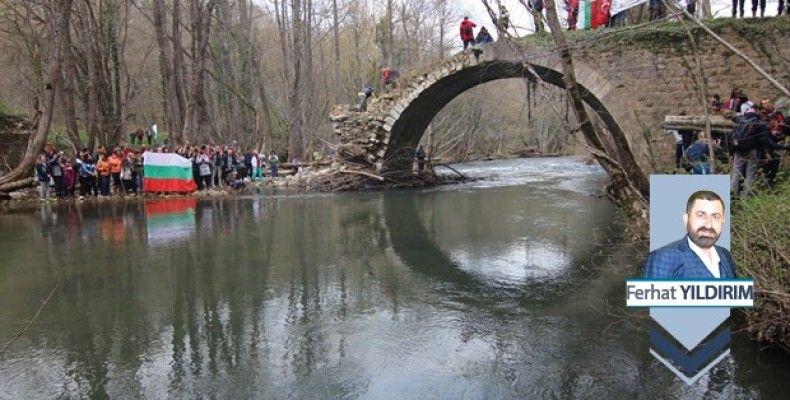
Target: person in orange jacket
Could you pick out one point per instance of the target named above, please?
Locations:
(115, 161)
(103, 168)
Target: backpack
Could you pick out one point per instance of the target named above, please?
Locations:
(743, 136)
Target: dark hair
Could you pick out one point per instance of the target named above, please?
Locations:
(703, 195)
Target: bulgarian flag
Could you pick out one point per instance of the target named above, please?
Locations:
(167, 172)
(593, 13)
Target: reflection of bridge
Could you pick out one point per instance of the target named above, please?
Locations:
(629, 79)
(417, 248)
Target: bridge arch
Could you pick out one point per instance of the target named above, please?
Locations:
(400, 118)
(409, 127)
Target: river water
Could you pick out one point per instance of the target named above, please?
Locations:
(507, 287)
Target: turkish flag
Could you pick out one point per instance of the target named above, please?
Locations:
(600, 13)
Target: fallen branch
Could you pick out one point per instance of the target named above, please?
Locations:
(452, 169)
(739, 53)
(29, 323)
(16, 185)
(368, 174)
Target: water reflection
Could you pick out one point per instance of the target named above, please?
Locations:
(398, 295)
(169, 221)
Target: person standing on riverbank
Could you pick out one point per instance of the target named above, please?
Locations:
(114, 162)
(55, 170)
(255, 165)
(87, 176)
(419, 155)
(69, 176)
(745, 158)
(42, 175)
(103, 169)
(127, 174)
(203, 162)
(274, 164)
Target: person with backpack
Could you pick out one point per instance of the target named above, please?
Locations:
(749, 136)
(775, 122)
(698, 156)
(388, 77)
(467, 32)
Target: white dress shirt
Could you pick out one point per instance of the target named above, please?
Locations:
(711, 265)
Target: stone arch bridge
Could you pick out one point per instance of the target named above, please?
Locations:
(628, 78)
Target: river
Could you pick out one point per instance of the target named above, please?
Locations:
(507, 287)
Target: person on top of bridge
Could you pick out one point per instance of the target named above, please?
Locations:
(467, 32)
(536, 8)
(754, 8)
(483, 37)
(735, 4)
(503, 22)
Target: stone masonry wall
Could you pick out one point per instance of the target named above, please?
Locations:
(639, 77)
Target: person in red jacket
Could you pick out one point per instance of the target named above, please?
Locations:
(467, 32)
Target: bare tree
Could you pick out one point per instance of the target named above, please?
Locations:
(58, 30)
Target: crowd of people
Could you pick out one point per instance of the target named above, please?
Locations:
(120, 171)
(754, 142)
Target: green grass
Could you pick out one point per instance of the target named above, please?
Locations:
(760, 233)
(666, 35)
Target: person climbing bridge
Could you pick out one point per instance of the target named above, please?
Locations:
(467, 32)
(388, 76)
(362, 99)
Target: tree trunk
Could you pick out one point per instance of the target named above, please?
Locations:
(336, 42)
(197, 120)
(67, 92)
(295, 137)
(36, 142)
(622, 190)
(170, 106)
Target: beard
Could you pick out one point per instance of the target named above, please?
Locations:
(703, 237)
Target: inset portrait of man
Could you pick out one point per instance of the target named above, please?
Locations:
(696, 255)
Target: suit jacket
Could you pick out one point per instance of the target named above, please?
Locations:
(676, 260)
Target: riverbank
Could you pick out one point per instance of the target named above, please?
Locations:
(308, 180)
(760, 236)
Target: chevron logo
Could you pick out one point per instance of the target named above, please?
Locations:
(690, 351)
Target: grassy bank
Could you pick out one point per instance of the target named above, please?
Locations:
(761, 233)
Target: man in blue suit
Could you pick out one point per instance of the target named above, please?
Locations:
(696, 255)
